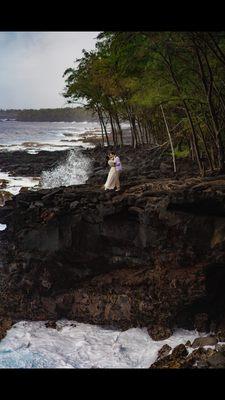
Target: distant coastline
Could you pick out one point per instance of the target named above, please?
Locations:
(67, 114)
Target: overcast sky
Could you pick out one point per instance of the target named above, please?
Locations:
(32, 65)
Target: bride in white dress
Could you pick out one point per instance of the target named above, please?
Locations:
(112, 175)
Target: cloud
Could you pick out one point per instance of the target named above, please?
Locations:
(32, 65)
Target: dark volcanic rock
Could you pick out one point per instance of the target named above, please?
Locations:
(202, 322)
(5, 325)
(164, 351)
(174, 360)
(51, 324)
(22, 163)
(220, 331)
(151, 255)
(139, 165)
(3, 183)
(200, 358)
(158, 332)
(204, 341)
(217, 360)
(180, 351)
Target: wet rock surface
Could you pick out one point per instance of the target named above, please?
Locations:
(151, 255)
(4, 196)
(182, 357)
(5, 325)
(204, 341)
(139, 164)
(22, 163)
(51, 324)
(163, 352)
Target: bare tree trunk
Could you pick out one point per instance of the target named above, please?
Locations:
(132, 127)
(133, 142)
(217, 50)
(219, 141)
(102, 130)
(141, 131)
(146, 133)
(100, 120)
(208, 91)
(170, 139)
(112, 128)
(194, 136)
(115, 130)
(105, 130)
(119, 129)
(206, 148)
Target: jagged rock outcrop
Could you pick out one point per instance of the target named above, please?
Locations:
(22, 163)
(139, 165)
(152, 255)
(182, 356)
(5, 325)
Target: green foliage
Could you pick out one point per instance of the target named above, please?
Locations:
(130, 75)
(181, 153)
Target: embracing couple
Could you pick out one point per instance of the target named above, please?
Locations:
(113, 179)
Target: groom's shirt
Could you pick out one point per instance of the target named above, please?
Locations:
(118, 163)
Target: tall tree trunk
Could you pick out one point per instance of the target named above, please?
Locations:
(216, 50)
(105, 130)
(170, 139)
(112, 129)
(115, 130)
(219, 141)
(134, 129)
(102, 130)
(141, 131)
(133, 133)
(208, 91)
(206, 148)
(100, 121)
(126, 107)
(146, 133)
(119, 129)
(194, 136)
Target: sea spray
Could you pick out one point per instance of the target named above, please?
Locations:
(77, 345)
(73, 171)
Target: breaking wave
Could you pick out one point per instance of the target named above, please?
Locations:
(74, 171)
(77, 345)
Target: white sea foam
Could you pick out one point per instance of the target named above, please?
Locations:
(14, 135)
(35, 147)
(78, 345)
(73, 171)
(15, 183)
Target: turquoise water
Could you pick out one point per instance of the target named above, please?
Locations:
(78, 345)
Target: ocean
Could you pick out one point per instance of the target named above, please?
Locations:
(35, 136)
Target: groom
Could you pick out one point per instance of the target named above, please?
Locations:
(118, 166)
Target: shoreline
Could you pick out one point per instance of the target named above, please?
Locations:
(147, 185)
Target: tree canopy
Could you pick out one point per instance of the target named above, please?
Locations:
(169, 86)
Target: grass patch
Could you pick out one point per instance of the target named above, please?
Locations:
(179, 153)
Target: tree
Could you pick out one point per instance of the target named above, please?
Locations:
(134, 76)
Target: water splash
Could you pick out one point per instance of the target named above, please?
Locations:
(78, 345)
(74, 171)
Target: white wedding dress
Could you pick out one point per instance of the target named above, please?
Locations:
(112, 176)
